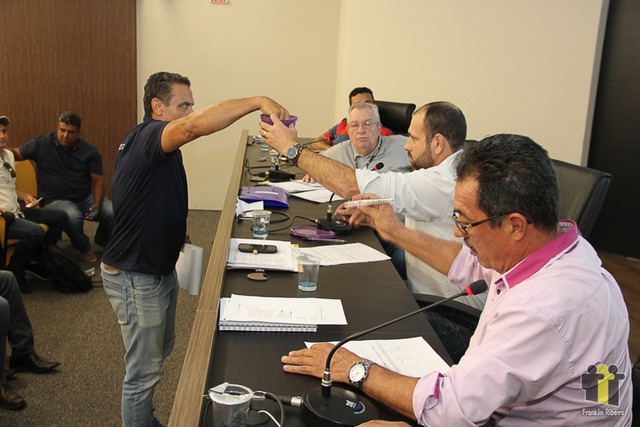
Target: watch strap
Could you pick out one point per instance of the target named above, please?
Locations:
(300, 147)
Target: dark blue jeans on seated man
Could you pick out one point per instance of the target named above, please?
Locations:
(17, 324)
(76, 210)
(32, 236)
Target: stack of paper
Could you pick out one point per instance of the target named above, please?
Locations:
(283, 259)
(274, 314)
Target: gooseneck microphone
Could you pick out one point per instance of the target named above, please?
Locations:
(329, 405)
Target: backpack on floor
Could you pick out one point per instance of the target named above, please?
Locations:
(64, 274)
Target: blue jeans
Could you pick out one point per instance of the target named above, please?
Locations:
(31, 235)
(4, 330)
(14, 321)
(145, 305)
(75, 227)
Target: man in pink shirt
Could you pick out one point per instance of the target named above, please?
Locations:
(551, 344)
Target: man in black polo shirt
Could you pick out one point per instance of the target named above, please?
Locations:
(70, 178)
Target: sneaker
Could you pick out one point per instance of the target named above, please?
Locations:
(38, 270)
(89, 256)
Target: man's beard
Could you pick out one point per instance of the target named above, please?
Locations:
(423, 162)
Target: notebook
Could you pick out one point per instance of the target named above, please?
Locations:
(253, 326)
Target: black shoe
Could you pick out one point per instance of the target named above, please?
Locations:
(10, 374)
(25, 287)
(38, 270)
(9, 399)
(32, 363)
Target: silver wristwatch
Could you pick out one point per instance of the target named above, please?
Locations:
(293, 153)
(358, 373)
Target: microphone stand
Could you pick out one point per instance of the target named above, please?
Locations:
(328, 223)
(330, 407)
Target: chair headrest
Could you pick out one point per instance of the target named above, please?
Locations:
(396, 115)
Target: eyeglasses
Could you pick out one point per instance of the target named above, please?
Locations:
(365, 125)
(464, 227)
(10, 169)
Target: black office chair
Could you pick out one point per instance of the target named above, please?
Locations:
(396, 115)
(582, 193)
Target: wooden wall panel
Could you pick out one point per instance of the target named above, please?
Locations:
(77, 55)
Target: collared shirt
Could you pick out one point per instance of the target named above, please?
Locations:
(389, 151)
(546, 321)
(63, 174)
(425, 198)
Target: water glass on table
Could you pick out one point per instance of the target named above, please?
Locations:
(308, 270)
(260, 224)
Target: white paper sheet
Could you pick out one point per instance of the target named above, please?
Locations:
(413, 357)
(349, 253)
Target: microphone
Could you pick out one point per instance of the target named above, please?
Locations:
(341, 406)
(378, 166)
(335, 225)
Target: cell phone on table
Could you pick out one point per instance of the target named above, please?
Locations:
(257, 249)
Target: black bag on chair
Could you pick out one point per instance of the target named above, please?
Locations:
(64, 274)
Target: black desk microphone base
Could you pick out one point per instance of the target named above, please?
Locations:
(344, 407)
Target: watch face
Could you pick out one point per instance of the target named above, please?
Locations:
(357, 372)
(292, 152)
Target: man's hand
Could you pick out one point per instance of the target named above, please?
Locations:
(312, 361)
(307, 178)
(30, 201)
(278, 136)
(381, 217)
(352, 214)
(269, 106)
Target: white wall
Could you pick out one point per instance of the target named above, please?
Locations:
(278, 48)
(511, 65)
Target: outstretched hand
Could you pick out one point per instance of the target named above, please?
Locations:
(269, 106)
(278, 136)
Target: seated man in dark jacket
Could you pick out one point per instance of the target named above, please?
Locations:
(70, 178)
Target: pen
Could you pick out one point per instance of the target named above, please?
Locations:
(313, 239)
(367, 202)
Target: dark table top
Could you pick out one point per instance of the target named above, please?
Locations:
(371, 293)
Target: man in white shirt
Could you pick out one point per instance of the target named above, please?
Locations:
(21, 223)
(424, 196)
